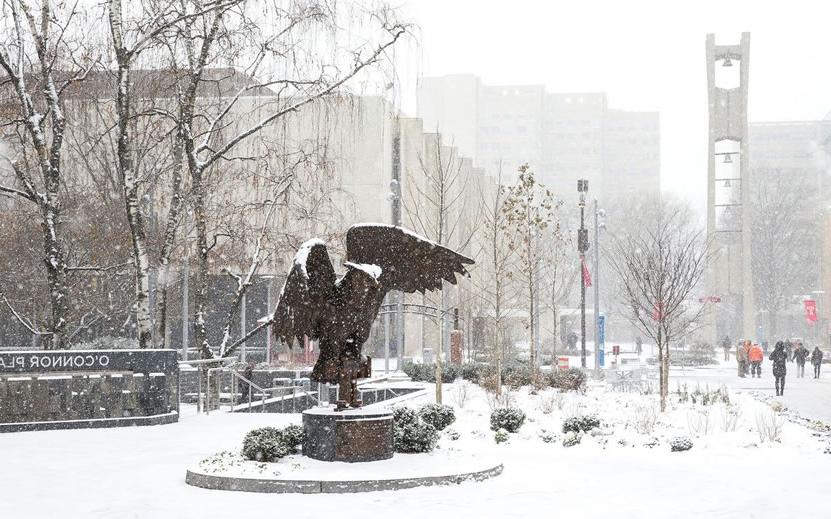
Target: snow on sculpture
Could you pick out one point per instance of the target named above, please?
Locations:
(339, 312)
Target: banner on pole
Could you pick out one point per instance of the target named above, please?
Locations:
(587, 277)
(810, 311)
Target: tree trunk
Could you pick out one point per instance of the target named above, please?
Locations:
(533, 322)
(201, 294)
(135, 217)
(663, 354)
(772, 327)
(440, 353)
(167, 250)
(55, 276)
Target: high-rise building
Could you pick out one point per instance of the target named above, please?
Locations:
(563, 137)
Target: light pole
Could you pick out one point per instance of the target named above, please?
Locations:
(598, 333)
(582, 247)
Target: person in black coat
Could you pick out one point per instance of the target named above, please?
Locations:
(779, 358)
(800, 355)
(816, 360)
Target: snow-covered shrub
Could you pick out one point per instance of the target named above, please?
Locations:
(644, 418)
(404, 416)
(409, 434)
(683, 394)
(418, 437)
(546, 436)
(549, 401)
(769, 425)
(501, 436)
(419, 372)
(571, 439)
(698, 421)
(473, 372)
(461, 392)
(571, 379)
(730, 418)
(266, 444)
(437, 415)
(504, 399)
(680, 444)
(517, 375)
(580, 424)
(293, 436)
(452, 434)
(508, 418)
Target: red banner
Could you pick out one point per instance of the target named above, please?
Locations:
(810, 311)
(587, 277)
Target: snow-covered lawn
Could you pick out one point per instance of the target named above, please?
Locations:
(139, 472)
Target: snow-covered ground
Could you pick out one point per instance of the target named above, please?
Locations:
(139, 472)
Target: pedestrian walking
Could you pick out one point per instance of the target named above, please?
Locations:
(800, 355)
(816, 360)
(779, 358)
(755, 356)
(741, 357)
(725, 345)
(638, 345)
(789, 349)
(244, 385)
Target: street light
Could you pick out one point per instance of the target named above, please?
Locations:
(599, 330)
(582, 247)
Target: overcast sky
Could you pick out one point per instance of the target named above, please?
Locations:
(646, 55)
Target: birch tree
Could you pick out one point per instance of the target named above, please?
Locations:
(39, 64)
(659, 268)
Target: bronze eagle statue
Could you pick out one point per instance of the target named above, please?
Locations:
(339, 312)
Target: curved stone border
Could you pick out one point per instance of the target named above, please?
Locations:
(285, 486)
(93, 423)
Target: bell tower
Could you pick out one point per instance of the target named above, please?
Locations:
(729, 274)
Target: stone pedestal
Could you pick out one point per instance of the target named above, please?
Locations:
(352, 435)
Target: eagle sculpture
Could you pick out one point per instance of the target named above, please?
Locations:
(338, 312)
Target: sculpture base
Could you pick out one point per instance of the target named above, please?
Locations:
(353, 435)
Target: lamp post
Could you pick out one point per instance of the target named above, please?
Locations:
(582, 247)
(598, 333)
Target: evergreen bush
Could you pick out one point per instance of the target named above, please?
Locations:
(266, 444)
(501, 436)
(580, 424)
(571, 379)
(410, 434)
(508, 418)
(437, 415)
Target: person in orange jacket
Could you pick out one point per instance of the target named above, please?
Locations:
(755, 356)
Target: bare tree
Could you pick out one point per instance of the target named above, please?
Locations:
(434, 205)
(529, 214)
(39, 64)
(492, 276)
(287, 77)
(659, 268)
(785, 232)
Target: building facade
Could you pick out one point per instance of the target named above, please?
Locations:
(563, 137)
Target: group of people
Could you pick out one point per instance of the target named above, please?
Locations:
(750, 357)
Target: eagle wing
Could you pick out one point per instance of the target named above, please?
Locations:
(408, 262)
(305, 294)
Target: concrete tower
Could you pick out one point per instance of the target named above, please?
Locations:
(730, 276)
